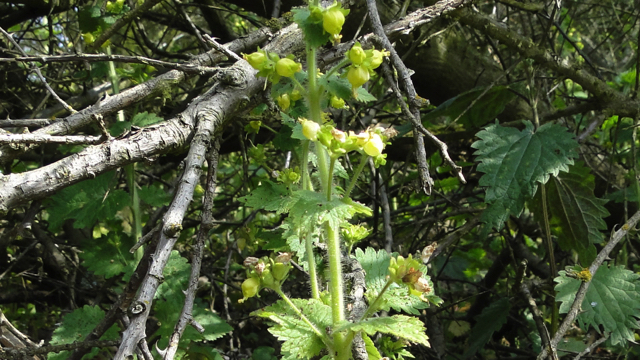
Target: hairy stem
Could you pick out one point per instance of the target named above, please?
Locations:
(356, 174)
(295, 309)
(313, 277)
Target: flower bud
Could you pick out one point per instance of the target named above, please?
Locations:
(377, 57)
(250, 288)
(357, 76)
(280, 271)
(332, 20)
(295, 95)
(88, 38)
(374, 146)
(284, 101)
(357, 54)
(287, 67)
(310, 129)
(256, 59)
(336, 102)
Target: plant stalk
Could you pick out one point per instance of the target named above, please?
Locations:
(356, 174)
(313, 277)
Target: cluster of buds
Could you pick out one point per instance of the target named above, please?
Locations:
(371, 141)
(332, 19)
(288, 176)
(363, 62)
(352, 234)
(266, 272)
(271, 66)
(287, 99)
(404, 272)
(115, 7)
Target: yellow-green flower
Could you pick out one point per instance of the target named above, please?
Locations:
(287, 67)
(357, 76)
(357, 54)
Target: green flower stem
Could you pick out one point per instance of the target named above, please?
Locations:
(342, 63)
(332, 164)
(298, 85)
(374, 305)
(315, 111)
(335, 283)
(356, 174)
(321, 335)
(313, 277)
(130, 170)
(305, 165)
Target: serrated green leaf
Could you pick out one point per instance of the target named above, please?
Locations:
(271, 197)
(311, 209)
(376, 267)
(612, 301)
(145, 119)
(300, 342)
(86, 202)
(515, 161)
(314, 34)
(338, 86)
(109, 256)
(576, 214)
(402, 326)
(364, 96)
(372, 351)
(76, 326)
(170, 300)
(489, 321)
(155, 195)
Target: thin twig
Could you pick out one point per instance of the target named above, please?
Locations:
(221, 48)
(582, 291)
(40, 76)
(25, 123)
(414, 100)
(591, 347)
(186, 67)
(186, 316)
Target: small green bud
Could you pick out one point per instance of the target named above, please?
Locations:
(250, 288)
(284, 101)
(332, 20)
(336, 102)
(310, 129)
(280, 271)
(256, 59)
(295, 95)
(357, 54)
(357, 76)
(287, 67)
(377, 57)
(88, 38)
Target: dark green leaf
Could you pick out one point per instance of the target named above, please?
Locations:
(515, 161)
(314, 34)
(489, 321)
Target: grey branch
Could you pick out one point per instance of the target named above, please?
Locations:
(582, 291)
(50, 139)
(185, 67)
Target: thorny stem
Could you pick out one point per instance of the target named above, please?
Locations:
(356, 174)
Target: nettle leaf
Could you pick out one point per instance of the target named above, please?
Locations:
(376, 267)
(155, 195)
(312, 208)
(300, 342)
(612, 301)
(489, 321)
(402, 326)
(86, 202)
(314, 34)
(576, 214)
(145, 119)
(109, 255)
(364, 96)
(372, 351)
(271, 197)
(76, 326)
(170, 300)
(515, 161)
(338, 86)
